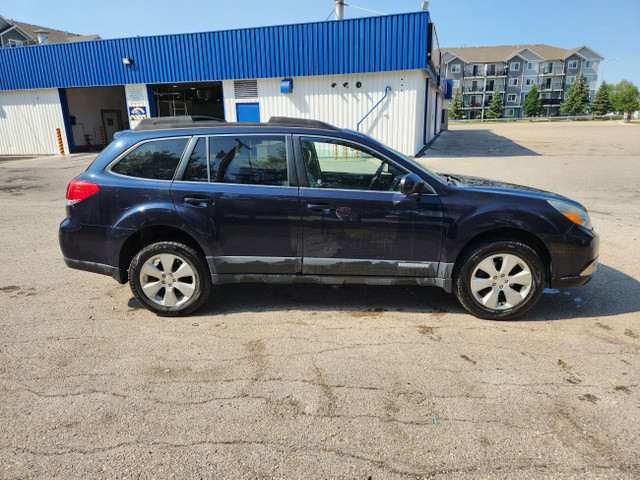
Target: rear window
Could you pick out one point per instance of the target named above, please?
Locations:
(157, 159)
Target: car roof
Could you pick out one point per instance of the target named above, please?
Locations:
(204, 122)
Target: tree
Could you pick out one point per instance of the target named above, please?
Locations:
(577, 98)
(602, 102)
(624, 97)
(495, 105)
(531, 106)
(455, 109)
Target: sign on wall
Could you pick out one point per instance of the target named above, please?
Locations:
(137, 103)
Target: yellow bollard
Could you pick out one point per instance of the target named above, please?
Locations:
(60, 144)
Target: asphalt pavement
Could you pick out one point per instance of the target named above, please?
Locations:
(307, 381)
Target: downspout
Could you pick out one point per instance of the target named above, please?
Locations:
(386, 91)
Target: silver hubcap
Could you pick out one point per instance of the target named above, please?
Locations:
(501, 281)
(167, 280)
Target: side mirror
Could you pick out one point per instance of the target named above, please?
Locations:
(411, 183)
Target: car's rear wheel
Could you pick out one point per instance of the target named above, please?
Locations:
(499, 280)
(169, 278)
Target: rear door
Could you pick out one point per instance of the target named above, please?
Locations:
(239, 193)
(355, 221)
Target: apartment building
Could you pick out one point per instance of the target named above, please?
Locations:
(512, 70)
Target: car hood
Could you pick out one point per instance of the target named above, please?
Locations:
(497, 186)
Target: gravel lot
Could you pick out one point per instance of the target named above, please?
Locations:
(326, 382)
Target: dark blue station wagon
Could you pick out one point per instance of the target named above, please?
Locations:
(180, 204)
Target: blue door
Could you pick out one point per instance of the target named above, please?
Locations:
(248, 112)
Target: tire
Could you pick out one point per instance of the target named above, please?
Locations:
(499, 280)
(156, 285)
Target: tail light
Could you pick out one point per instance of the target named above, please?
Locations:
(78, 190)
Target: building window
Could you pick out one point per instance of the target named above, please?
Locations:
(589, 64)
(570, 80)
(511, 97)
(529, 81)
(513, 82)
(456, 84)
(573, 64)
(15, 43)
(587, 79)
(455, 68)
(532, 66)
(515, 66)
(508, 112)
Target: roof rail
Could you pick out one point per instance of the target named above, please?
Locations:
(184, 121)
(301, 122)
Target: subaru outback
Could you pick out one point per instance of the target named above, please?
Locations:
(178, 205)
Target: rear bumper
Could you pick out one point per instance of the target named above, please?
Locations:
(115, 272)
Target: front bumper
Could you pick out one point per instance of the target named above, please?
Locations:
(575, 261)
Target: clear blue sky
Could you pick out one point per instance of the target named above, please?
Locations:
(611, 28)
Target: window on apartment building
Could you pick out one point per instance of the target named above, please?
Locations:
(455, 68)
(587, 79)
(573, 64)
(532, 66)
(588, 64)
(514, 66)
(456, 84)
(511, 97)
(529, 81)
(508, 112)
(513, 82)
(570, 80)
(15, 43)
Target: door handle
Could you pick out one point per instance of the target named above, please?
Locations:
(322, 207)
(199, 201)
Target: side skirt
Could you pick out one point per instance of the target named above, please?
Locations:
(444, 283)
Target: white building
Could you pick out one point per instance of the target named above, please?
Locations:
(374, 74)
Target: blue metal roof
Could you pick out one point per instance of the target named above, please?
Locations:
(372, 44)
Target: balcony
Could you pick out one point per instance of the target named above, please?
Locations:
(496, 73)
(547, 87)
(552, 71)
(550, 102)
(471, 105)
(473, 89)
(474, 72)
(493, 88)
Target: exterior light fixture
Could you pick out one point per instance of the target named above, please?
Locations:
(127, 61)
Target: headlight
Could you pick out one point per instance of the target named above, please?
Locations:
(573, 213)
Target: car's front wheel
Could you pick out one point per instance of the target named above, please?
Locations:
(169, 278)
(499, 280)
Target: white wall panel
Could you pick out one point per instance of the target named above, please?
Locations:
(28, 122)
(396, 122)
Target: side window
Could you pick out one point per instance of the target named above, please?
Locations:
(247, 159)
(156, 159)
(197, 169)
(340, 165)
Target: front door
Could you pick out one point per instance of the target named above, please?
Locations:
(111, 123)
(248, 112)
(355, 221)
(236, 190)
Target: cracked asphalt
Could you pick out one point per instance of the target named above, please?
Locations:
(306, 381)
